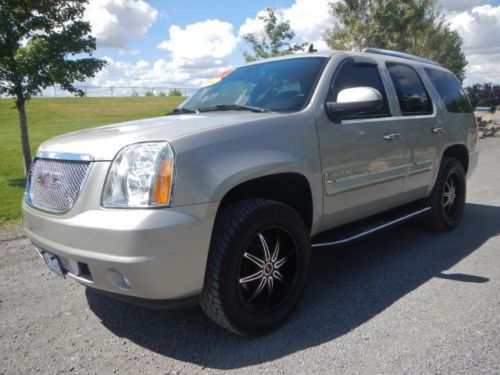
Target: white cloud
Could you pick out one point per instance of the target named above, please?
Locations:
(482, 68)
(145, 74)
(254, 25)
(201, 44)
(114, 22)
(479, 28)
(309, 19)
(460, 5)
(128, 52)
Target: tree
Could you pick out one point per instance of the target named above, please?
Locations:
(487, 94)
(412, 26)
(42, 43)
(277, 39)
(175, 92)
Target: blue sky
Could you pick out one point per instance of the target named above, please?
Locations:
(187, 12)
(184, 42)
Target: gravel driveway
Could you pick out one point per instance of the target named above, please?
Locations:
(405, 301)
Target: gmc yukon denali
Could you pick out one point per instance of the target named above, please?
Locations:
(222, 201)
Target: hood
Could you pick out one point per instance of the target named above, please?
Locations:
(104, 142)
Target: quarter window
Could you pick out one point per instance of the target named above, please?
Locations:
(412, 97)
(360, 75)
(450, 90)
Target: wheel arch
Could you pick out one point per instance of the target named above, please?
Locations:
(290, 188)
(459, 152)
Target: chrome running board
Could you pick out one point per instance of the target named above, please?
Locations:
(365, 231)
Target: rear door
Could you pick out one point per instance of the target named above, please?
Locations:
(421, 125)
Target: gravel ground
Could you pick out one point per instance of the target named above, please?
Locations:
(403, 302)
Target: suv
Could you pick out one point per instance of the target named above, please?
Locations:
(222, 201)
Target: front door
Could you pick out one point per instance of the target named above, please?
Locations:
(363, 158)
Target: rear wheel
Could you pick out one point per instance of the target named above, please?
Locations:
(257, 267)
(447, 200)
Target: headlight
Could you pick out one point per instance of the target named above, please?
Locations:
(141, 175)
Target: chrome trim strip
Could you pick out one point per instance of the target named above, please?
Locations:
(80, 279)
(364, 174)
(370, 231)
(63, 156)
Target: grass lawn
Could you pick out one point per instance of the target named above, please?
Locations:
(48, 117)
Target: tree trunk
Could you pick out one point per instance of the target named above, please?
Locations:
(25, 140)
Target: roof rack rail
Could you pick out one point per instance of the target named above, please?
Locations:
(402, 55)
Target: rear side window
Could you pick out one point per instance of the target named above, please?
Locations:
(412, 96)
(450, 90)
(360, 75)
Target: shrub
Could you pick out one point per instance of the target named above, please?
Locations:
(174, 92)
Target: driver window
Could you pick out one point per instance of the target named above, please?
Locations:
(360, 75)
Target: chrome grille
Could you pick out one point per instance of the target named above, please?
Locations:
(53, 185)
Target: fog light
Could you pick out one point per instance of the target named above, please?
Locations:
(119, 280)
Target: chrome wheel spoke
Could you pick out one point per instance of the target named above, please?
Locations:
(253, 277)
(270, 285)
(446, 201)
(447, 186)
(259, 289)
(258, 262)
(267, 254)
(268, 269)
(278, 276)
(279, 263)
(276, 250)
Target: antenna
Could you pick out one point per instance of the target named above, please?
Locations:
(311, 49)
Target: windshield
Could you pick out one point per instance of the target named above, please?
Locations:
(281, 85)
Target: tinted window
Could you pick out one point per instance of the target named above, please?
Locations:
(360, 75)
(450, 90)
(282, 85)
(412, 97)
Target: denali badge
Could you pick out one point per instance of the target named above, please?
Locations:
(49, 179)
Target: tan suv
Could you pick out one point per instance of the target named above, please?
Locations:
(222, 201)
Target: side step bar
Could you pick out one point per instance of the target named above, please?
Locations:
(345, 234)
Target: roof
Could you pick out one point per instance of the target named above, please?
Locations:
(377, 54)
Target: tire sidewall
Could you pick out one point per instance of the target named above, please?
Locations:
(271, 216)
(451, 166)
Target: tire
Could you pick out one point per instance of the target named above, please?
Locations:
(250, 290)
(447, 200)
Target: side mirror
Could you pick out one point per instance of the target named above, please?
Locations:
(351, 102)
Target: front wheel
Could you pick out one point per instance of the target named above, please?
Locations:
(447, 200)
(257, 266)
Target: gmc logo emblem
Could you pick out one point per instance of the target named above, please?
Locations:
(49, 179)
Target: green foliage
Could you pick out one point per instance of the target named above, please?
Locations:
(412, 26)
(486, 95)
(149, 93)
(39, 42)
(175, 92)
(276, 41)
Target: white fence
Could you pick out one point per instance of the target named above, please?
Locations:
(57, 91)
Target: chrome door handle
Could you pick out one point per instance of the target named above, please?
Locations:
(437, 130)
(392, 136)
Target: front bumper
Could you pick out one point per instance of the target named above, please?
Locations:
(161, 253)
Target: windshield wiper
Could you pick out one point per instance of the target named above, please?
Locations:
(180, 110)
(232, 107)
